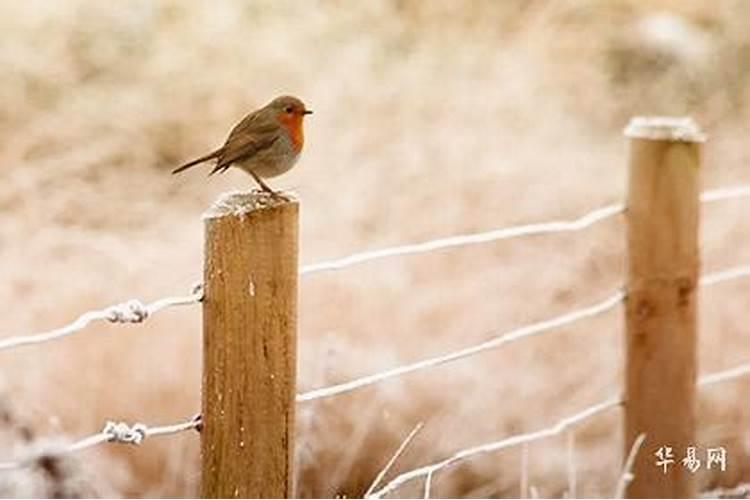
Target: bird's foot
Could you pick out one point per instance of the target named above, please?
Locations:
(276, 195)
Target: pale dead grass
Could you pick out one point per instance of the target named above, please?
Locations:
(431, 119)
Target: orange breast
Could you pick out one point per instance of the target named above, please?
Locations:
(293, 125)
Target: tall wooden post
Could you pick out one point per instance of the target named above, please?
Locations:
(249, 347)
(663, 263)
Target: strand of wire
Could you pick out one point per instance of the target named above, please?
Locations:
(112, 432)
(132, 311)
(717, 277)
(558, 226)
(503, 339)
(497, 341)
(725, 193)
(556, 429)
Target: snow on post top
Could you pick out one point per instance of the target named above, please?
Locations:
(240, 203)
(664, 128)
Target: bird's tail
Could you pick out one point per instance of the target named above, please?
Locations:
(209, 156)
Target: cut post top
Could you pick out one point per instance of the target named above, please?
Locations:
(664, 128)
(241, 203)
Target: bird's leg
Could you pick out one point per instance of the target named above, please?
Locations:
(262, 184)
(266, 187)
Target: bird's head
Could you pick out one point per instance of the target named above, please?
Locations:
(289, 106)
(290, 112)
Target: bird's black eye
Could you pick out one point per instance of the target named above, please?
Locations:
(289, 109)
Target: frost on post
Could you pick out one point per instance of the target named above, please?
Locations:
(660, 128)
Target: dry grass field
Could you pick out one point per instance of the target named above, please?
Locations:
(431, 119)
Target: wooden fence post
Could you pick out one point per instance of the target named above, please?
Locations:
(249, 347)
(663, 264)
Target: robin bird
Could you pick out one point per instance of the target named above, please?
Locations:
(266, 143)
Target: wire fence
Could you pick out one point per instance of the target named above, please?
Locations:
(558, 226)
(521, 439)
(500, 340)
(134, 311)
(496, 342)
(112, 432)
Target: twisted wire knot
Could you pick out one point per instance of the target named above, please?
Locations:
(132, 311)
(120, 432)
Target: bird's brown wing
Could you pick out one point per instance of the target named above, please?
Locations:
(252, 135)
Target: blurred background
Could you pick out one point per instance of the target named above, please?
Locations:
(431, 119)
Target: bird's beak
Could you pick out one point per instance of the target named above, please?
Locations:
(307, 112)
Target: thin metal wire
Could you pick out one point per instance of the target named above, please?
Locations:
(558, 428)
(113, 432)
(559, 226)
(502, 339)
(723, 376)
(494, 343)
(725, 275)
(132, 311)
(725, 193)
